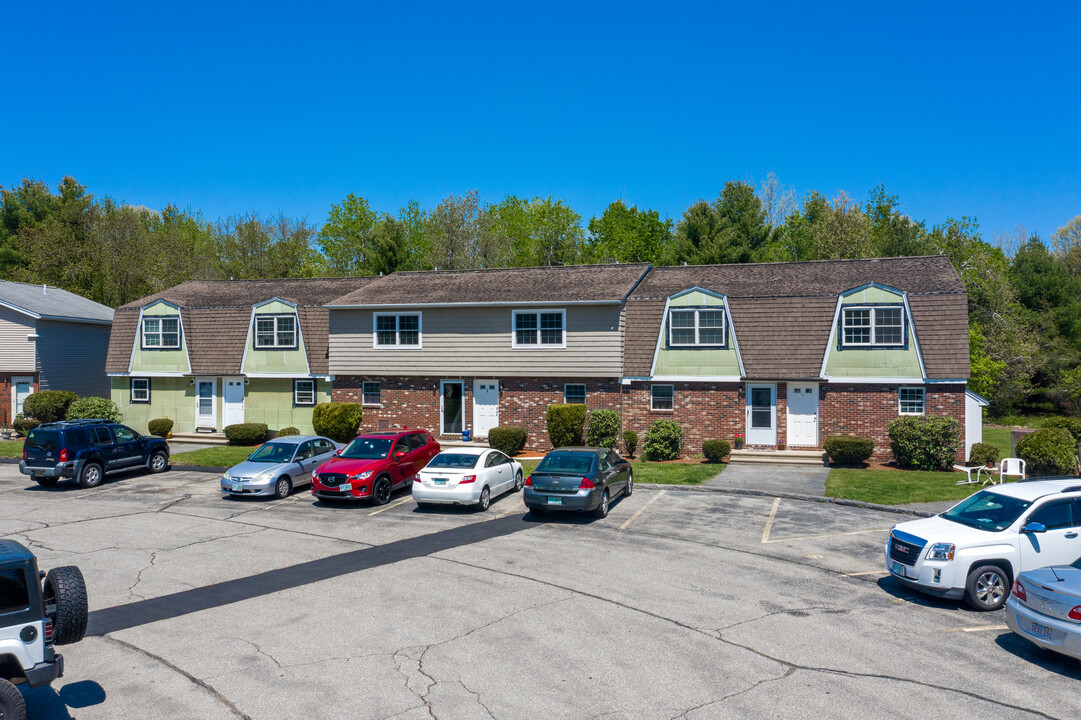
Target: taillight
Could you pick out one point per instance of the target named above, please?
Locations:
(64, 455)
(529, 481)
(587, 484)
(24, 452)
(416, 478)
(467, 479)
(1075, 614)
(1019, 592)
(48, 631)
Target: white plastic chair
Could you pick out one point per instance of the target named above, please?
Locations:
(1011, 467)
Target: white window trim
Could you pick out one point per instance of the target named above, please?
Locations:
(275, 345)
(539, 345)
(131, 387)
(585, 391)
(363, 393)
(315, 390)
(160, 333)
(874, 326)
(923, 400)
(656, 409)
(397, 345)
(697, 340)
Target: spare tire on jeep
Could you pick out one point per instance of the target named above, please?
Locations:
(65, 604)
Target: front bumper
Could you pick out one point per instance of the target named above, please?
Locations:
(468, 494)
(61, 469)
(583, 500)
(940, 578)
(1065, 637)
(247, 488)
(342, 492)
(45, 672)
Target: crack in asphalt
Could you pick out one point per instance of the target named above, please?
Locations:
(789, 671)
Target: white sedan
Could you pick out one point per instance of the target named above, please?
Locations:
(466, 476)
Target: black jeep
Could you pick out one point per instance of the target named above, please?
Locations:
(35, 616)
(88, 449)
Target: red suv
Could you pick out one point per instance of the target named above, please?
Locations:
(373, 465)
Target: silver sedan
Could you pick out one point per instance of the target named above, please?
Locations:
(278, 466)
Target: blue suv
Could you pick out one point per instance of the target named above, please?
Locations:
(86, 450)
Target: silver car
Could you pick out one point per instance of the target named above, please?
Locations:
(1045, 608)
(278, 466)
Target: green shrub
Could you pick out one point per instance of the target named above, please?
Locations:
(48, 405)
(92, 408)
(247, 433)
(716, 450)
(630, 442)
(848, 449)
(603, 429)
(337, 420)
(565, 423)
(1048, 451)
(983, 454)
(1071, 424)
(925, 442)
(286, 432)
(509, 439)
(664, 440)
(160, 427)
(23, 425)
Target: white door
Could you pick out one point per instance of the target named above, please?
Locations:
(1060, 544)
(21, 387)
(485, 406)
(803, 414)
(206, 413)
(233, 402)
(761, 414)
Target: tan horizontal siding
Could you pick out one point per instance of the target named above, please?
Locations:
(16, 351)
(477, 342)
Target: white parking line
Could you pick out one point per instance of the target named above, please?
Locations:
(634, 517)
(979, 629)
(769, 522)
(516, 509)
(403, 501)
(867, 572)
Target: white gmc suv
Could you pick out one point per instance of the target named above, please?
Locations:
(976, 548)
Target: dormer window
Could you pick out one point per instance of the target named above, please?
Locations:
(696, 327)
(161, 333)
(877, 326)
(275, 332)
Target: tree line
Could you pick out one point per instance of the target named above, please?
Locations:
(1024, 293)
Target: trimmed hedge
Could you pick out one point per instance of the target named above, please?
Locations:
(565, 423)
(160, 427)
(247, 433)
(24, 425)
(337, 420)
(286, 432)
(716, 450)
(664, 440)
(925, 442)
(93, 408)
(48, 405)
(1048, 451)
(603, 429)
(630, 442)
(509, 439)
(848, 449)
(1071, 424)
(983, 454)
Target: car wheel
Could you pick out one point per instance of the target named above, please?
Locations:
(602, 510)
(158, 461)
(629, 490)
(65, 596)
(47, 481)
(91, 475)
(12, 705)
(987, 588)
(518, 481)
(381, 491)
(485, 499)
(282, 488)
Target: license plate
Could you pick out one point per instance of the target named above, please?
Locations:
(1041, 631)
(898, 569)
(439, 481)
(555, 501)
(237, 487)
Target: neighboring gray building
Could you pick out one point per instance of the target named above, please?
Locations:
(50, 339)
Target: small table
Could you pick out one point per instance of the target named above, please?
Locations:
(968, 470)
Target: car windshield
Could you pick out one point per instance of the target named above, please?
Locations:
(454, 461)
(43, 440)
(987, 510)
(274, 453)
(577, 462)
(366, 448)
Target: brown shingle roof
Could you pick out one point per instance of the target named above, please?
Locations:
(941, 323)
(245, 293)
(569, 283)
(121, 340)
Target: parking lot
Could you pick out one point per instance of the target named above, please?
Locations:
(680, 604)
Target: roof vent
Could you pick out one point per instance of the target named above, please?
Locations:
(45, 289)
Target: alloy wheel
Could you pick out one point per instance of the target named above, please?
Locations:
(989, 588)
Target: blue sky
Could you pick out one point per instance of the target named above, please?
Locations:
(960, 109)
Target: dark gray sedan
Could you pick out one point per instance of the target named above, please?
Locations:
(278, 466)
(585, 479)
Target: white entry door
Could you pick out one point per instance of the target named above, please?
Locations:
(206, 412)
(803, 414)
(233, 402)
(761, 414)
(485, 406)
(21, 387)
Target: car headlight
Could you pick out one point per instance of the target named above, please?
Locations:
(361, 476)
(226, 477)
(941, 551)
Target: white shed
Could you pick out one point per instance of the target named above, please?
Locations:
(974, 405)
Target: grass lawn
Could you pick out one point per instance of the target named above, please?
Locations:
(218, 456)
(11, 448)
(896, 487)
(999, 437)
(661, 473)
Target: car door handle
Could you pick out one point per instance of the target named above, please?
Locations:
(1071, 535)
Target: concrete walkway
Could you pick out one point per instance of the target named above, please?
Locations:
(799, 479)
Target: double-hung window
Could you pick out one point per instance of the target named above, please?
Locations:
(303, 392)
(371, 393)
(910, 400)
(539, 328)
(397, 329)
(702, 327)
(161, 333)
(662, 397)
(140, 390)
(275, 331)
(574, 393)
(880, 326)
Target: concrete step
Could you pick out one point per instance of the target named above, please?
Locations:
(202, 438)
(780, 457)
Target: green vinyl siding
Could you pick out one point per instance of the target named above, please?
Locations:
(275, 307)
(256, 360)
(160, 360)
(270, 401)
(696, 298)
(697, 361)
(173, 398)
(872, 295)
(873, 362)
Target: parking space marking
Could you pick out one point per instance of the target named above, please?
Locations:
(980, 628)
(634, 517)
(514, 510)
(866, 572)
(769, 521)
(403, 501)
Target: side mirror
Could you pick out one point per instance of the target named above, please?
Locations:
(400, 454)
(1034, 527)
